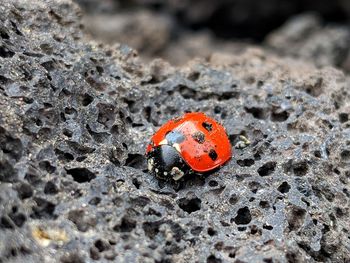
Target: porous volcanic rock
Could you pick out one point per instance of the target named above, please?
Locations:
(75, 117)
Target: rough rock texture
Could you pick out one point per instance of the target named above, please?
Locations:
(75, 117)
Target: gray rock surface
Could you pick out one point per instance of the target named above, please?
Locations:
(75, 117)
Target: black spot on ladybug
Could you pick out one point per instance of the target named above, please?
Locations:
(174, 137)
(208, 126)
(213, 155)
(199, 137)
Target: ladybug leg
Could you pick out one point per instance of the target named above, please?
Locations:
(150, 164)
(176, 173)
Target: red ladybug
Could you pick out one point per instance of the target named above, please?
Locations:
(191, 143)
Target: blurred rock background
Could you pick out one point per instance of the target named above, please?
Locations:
(180, 30)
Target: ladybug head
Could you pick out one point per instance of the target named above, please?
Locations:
(166, 163)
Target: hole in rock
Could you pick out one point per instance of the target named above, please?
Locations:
(258, 113)
(126, 225)
(151, 229)
(243, 216)
(50, 188)
(86, 99)
(268, 227)
(264, 204)
(345, 155)
(246, 162)
(43, 209)
(190, 205)
(295, 217)
(24, 191)
(7, 172)
(300, 168)
(136, 183)
(284, 187)
(46, 166)
(213, 183)
(233, 199)
(279, 116)
(101, 245)
(5, 53)
(136, 160)
(343, 117)
(211, 232)
(213, 259)
(81, 175)
(267, 169)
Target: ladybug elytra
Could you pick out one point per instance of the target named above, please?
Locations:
(189, 144)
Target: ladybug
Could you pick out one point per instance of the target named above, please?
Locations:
(193, 143)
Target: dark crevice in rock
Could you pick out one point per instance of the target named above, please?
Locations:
(81, 175)
(243, 216)
(267, 169)
(190, 204)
